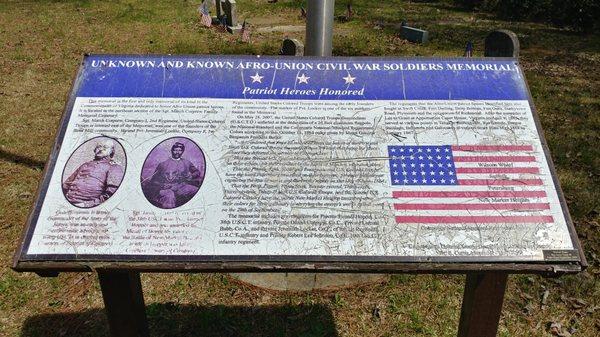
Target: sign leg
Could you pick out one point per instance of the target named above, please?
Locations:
(482, 304)
(124, 303)
(319, 27)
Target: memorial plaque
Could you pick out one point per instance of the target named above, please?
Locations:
(195, 159)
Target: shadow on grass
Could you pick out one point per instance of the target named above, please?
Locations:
(21, 160)
(170, 319)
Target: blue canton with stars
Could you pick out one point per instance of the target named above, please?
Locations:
(422, 165)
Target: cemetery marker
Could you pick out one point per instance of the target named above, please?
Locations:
(502, 43)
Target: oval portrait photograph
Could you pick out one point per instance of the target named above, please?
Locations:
(94, 172)
(173, 172)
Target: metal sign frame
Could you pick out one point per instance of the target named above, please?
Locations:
(264, 263)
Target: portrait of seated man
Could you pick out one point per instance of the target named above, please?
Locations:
(94, 181)
(175, 180)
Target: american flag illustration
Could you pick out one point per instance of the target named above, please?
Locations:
(205, 18)
(458, 184)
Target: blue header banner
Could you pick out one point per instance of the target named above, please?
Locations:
(269, 77)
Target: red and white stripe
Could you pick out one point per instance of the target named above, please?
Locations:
(205, 19)
(496, 184)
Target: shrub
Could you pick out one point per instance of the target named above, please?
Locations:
(469, 4)
(581, 15)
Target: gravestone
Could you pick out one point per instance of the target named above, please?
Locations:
(292, 47)
(414, 35)
(230, 11)
(219, 7)
(502, 43)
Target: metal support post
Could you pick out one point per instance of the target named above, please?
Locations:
(319, 27)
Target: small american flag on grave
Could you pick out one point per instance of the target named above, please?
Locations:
(205, 18)
(459, 184)
(469, 49)
(245, 32)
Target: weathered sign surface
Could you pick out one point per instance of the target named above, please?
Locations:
(357, 159)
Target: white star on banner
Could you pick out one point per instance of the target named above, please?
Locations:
(349, 79)
(256, 78)
(303, 79)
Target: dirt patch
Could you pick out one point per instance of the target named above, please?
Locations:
(284, 29)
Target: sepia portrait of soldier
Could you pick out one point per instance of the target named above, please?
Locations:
(176, 179)
(93, 181)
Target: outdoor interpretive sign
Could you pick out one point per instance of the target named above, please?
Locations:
(203, 158)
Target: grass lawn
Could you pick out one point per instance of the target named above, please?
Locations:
(41, 45)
